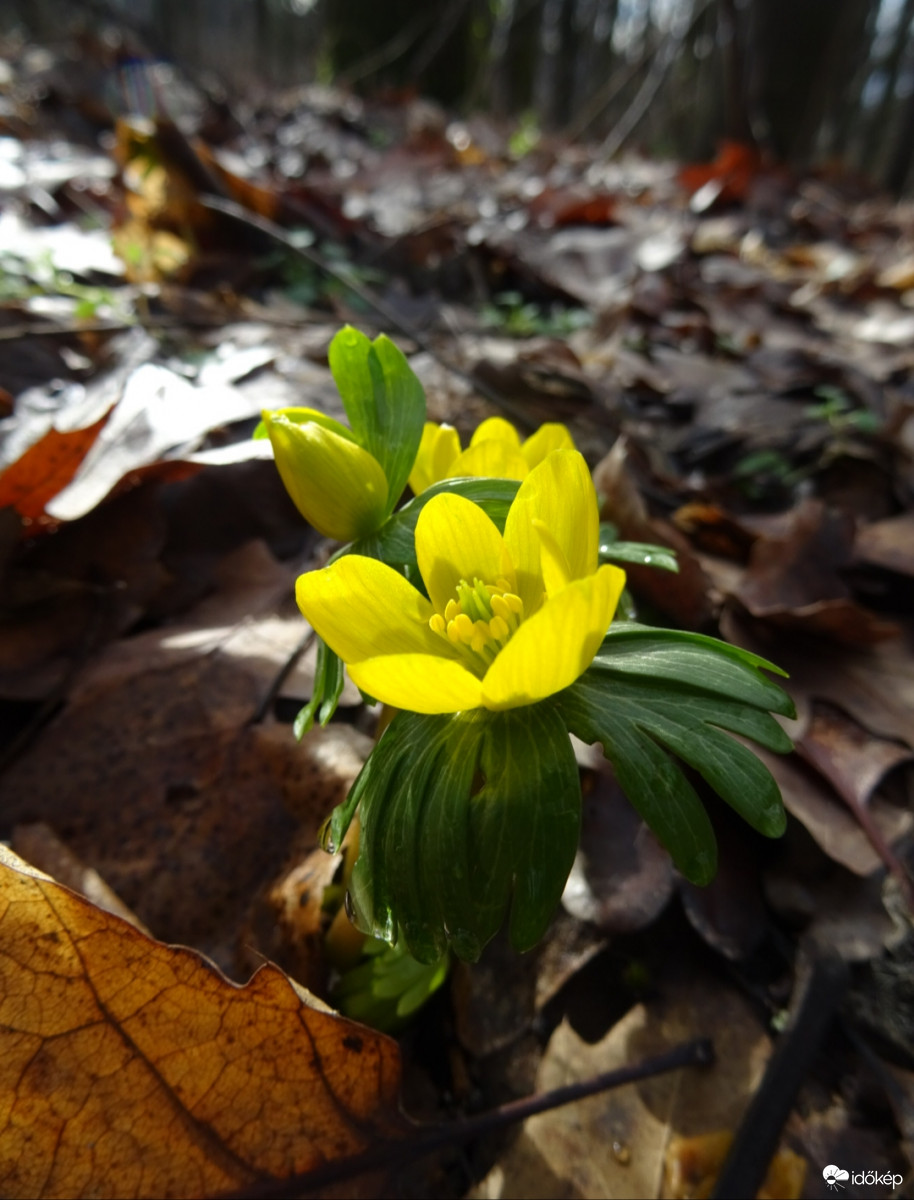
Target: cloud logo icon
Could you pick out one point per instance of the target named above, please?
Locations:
(835, 1177)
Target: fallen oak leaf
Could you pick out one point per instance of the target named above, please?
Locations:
(129, 1068)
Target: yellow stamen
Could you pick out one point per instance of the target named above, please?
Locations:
(464, 627)
(498, 629)
(480, 621)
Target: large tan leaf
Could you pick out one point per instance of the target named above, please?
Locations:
(129, 1068)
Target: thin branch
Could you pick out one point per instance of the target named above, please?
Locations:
(384, 55)
(391, 1154)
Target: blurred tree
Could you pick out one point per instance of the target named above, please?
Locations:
(800, 58)
(805, 78)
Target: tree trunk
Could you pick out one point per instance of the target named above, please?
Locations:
(800, 56)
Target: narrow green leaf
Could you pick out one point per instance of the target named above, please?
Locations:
(387, 986)
(728, 767)
(650, 693)
(653, 783)
(325, 696)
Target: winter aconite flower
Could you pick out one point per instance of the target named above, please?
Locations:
(336, 485)
(495, 451)
(509, 619)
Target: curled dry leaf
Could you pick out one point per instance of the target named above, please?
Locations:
(812, 801)
(683, 596)
(133, 1069)
(888, 543)
(793, 580)
(874, 684)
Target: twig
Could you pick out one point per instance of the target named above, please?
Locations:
(12, 333)
(245, 217)
(303, 644)
(390, 1154)
(817, 995)
(384, 55)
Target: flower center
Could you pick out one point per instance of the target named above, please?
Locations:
(480, 621)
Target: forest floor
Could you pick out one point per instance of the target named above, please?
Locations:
(731, 346)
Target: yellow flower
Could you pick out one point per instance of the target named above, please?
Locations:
(336, 485)
(495, 451)
(509, 619)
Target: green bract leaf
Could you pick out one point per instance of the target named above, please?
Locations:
(328, 687)
(394, 542)
(384, 401)
(387, 986)
(461, 816)
(650, 692)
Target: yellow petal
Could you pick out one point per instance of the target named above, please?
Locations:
(549, 437)
(439, 447)
(456, 540)
(496, 429)
(335, 484)
(557, 644)
(553, 563)
(362, 609)
(489, 460)
(560, 493)
(422, 683)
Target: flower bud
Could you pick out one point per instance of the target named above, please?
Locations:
(336, 485)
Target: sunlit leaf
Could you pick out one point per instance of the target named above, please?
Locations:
(130, 1068)
(639, 553)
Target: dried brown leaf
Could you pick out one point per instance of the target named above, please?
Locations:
(683, 596)
(134, 1069)
(157, 776)
(621, 879)
(888, 543)
(793, 580)
(30, 483)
